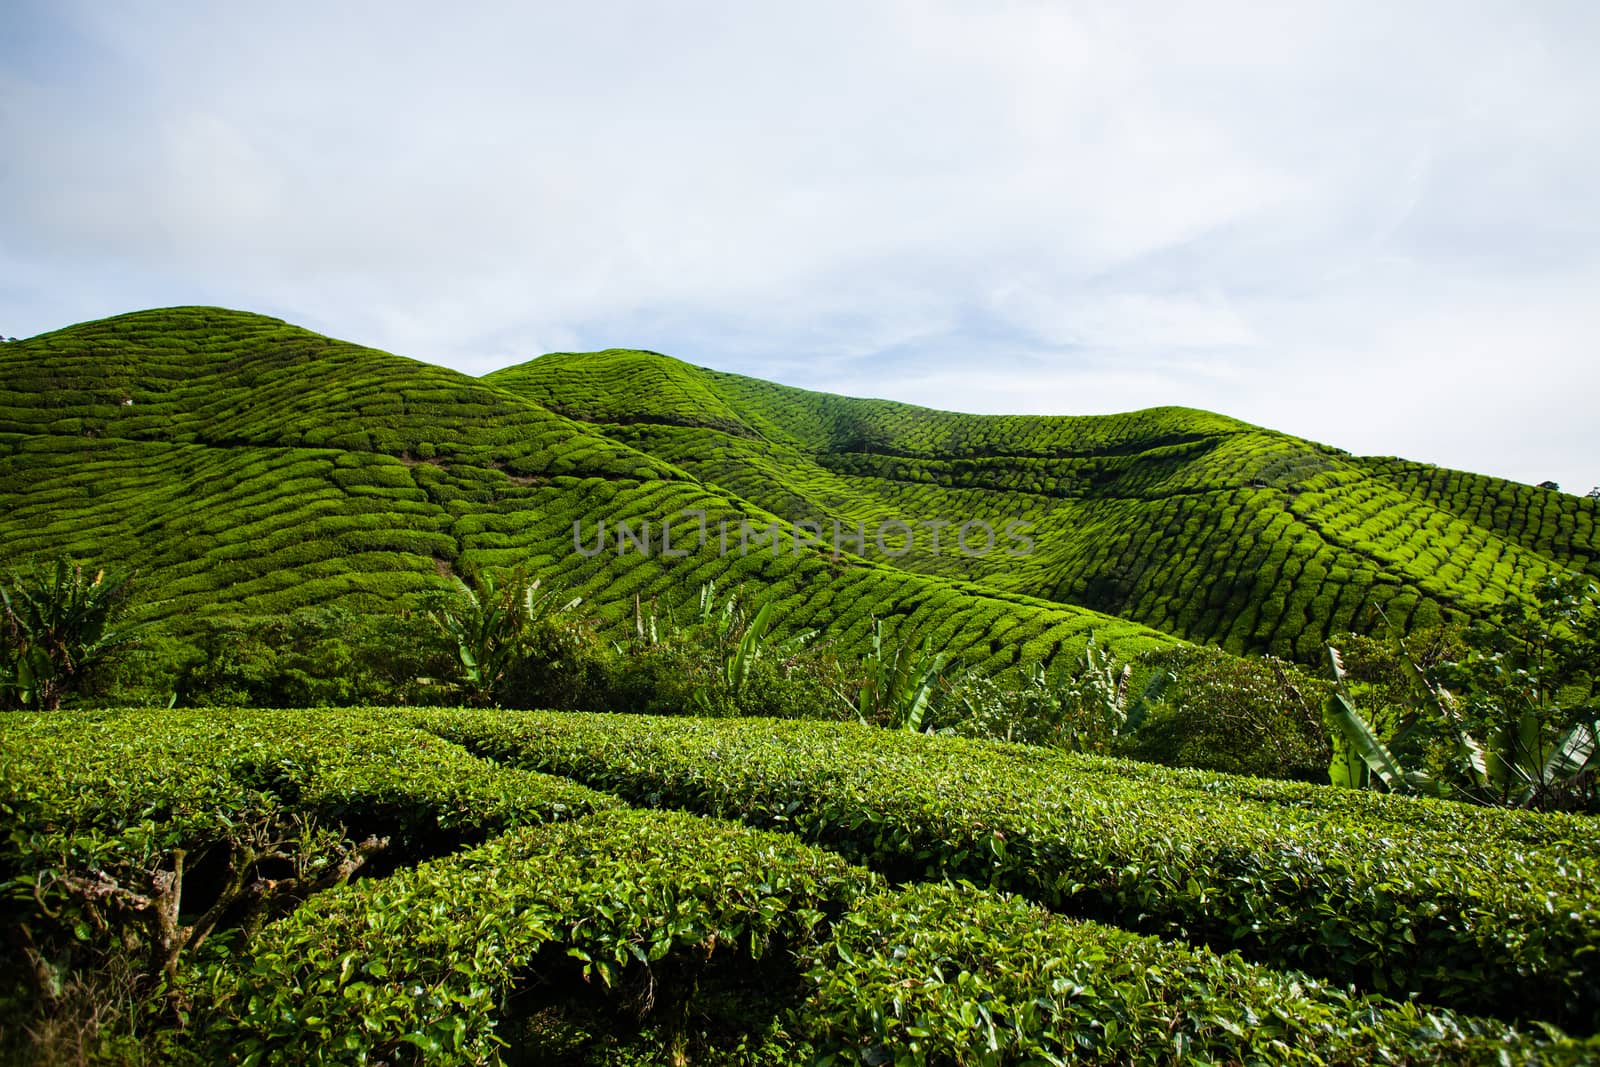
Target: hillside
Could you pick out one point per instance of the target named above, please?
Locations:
(243, 465)
(1192, 523)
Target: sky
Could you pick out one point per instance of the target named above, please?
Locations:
(1372, 224)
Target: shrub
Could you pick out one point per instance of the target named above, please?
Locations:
(113, 819)
(562, 662)
(313, 657)
(1236, 715)
(423, 966)
(1472, 908)
(937, 974)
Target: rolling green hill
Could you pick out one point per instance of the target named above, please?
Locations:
(244, 465)
(1196, 524)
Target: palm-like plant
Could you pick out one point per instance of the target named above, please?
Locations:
(56, 626)
(1093, 704)
(1526, 732)
(740, 640)
(897, 683)
(489, 624)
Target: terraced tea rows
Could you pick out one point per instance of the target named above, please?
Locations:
(1192, 523)
(1477, 909)
(1551, 523)
(242, 465)
(207, 484)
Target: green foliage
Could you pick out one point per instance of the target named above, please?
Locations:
(632, 906)
(1519, 723)
(236, 490)
(737, 643)
(564, 663)
(937, 974)
(57, 626)
(1199, 525)
(1084, 708)
(112, 820)
(724, 661)
(1529, 687)
(1551, 524)
(493, 628)
(653, 936)
(294, 538)
(1096, 701)
(314, 657)
(1238, 715)
(368, 491)
(1478, 909)
(1360, 756)
(897, 682)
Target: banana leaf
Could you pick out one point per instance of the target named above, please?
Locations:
(1342, 716)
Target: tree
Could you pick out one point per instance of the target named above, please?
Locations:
(57, 625)
(1549, 485)
(1241, 715)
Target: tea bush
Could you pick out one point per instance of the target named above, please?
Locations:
(948, 975)
(133, 838)
(424, 966)
(1482, 910)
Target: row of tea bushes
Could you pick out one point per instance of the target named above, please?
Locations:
(1471, 908)
(213, 376)
(1441, 554)
(122, 780)
(132, 839)
(1290, 541)
(1378, 812)
(635, 909)
(641, 921)
(939, 974)
(183, 445)
(1543, 520)
(1287, 541)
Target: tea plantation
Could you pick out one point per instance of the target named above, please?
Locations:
(1192, 523)
(244, 466)
(434, 884)
(778, 893)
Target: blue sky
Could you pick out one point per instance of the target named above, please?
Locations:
(1371, 224)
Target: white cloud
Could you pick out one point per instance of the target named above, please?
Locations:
(1304, 215)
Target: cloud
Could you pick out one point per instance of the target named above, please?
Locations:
(1312, 215)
